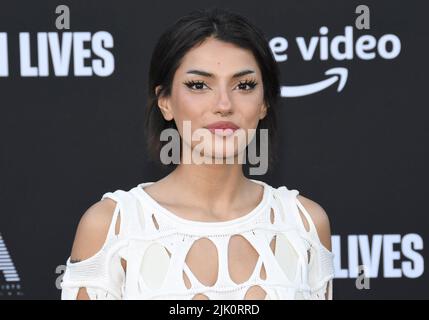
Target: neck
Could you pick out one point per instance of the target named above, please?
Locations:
(213, 186)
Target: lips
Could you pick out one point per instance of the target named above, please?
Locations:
(223, 125)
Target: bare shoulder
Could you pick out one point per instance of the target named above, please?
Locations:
(320, 219)
(92, 230)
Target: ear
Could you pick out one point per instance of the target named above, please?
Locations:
(263, 112)
(164, 105)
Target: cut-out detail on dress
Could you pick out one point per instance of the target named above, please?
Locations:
(202, 260)
(272, 216)
(263, 273)
(158, 248)
(273, 244)
(82, 291)
(124, 264)
(255, 293)
(186, 280)
(154, 265)
(308, 256)
(155, 222)
(241, 264)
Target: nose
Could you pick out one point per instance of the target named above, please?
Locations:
(223, 103)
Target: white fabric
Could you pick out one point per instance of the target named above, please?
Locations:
(155, 252)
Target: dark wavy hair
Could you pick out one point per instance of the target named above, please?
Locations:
(190, 31)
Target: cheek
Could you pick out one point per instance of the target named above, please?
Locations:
(189, 106)
(250, 113)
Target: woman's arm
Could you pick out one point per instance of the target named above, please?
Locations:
(91, 234)
(321, 221)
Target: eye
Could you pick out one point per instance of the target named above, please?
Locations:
(195, 85)
(246, 85)
(251, 84)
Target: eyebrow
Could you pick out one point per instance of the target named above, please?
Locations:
(208, 74)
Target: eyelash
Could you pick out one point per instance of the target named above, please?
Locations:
(251, 83)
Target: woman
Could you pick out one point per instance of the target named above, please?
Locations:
(205, 231)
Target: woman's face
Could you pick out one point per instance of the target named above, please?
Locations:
(207, 88)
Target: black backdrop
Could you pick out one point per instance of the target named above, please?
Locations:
(361, 153)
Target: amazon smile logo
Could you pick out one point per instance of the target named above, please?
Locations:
(336, 75)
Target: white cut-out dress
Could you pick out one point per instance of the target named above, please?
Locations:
(155, 242)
